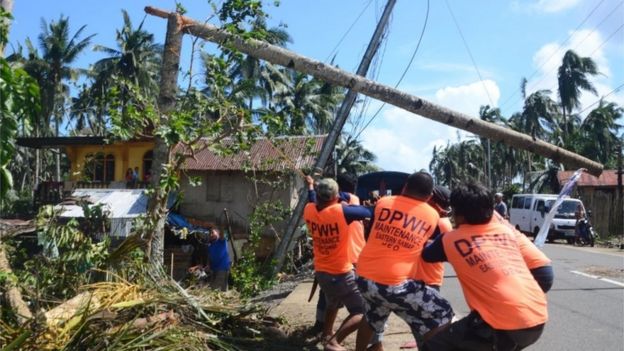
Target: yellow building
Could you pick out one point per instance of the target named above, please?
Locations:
(94, 160)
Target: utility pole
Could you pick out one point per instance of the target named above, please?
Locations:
(332, 137)
(620, 195)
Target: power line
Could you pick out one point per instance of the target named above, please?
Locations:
(474, 63)
(583, 40)
(422, 33)
(593, 52)
(602, 98)
(348, 30)
(378, 63)
(556, 51)
(609, 38)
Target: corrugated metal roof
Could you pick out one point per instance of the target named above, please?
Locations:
(607, 178)
(121, 203)
(277, 154)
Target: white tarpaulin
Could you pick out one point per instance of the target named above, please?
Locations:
(540, 239)
(123, 205)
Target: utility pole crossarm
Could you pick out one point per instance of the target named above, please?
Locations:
(417, 105)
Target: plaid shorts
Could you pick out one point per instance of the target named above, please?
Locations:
(420, 306)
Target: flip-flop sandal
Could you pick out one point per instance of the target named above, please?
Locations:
(409, 345)
(329, 347)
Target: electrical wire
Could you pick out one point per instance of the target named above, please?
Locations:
(422, 33)
(504, 104)
(593, 52)
(602, 98)
(378, 62)
(331, 53)
(579, 44)
(474, 63)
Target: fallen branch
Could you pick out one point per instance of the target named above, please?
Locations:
(414, 104)
(13, 294)
(11, 228)
(71, 308)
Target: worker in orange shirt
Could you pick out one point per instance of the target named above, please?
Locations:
(399, 229)
(346, 194)
(327, 220)
(433, 273)
(346, 187)
(506, 297)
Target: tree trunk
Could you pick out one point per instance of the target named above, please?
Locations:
(157, 207)
(7, 5)
(13, 294)
(58, 151)
(422, 107)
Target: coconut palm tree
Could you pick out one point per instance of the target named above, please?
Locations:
(457, 163)
(572, 78)
(59, 50)
(135, 61)
(539, 115)
(137, 58)
(600, 130)
(352, 158)
(260, 79)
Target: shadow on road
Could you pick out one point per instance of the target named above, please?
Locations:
(589, 289)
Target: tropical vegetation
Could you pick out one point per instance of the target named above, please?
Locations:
(598, 135)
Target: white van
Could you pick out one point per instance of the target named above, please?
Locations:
(527, 212)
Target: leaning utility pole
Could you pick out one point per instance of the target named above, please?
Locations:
(332, 137)
(619, 210)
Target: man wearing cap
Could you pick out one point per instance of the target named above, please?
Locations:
(500, 206)
(328, 221)
(400, 228)
(346, 193)
(494, 267)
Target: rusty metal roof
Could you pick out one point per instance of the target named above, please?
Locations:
(276, 154)
(608, 178)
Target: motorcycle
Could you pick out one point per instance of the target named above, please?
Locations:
(585, 232)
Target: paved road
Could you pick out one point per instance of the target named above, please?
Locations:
(585, 313)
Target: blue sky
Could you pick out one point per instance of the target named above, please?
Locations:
(508, 40)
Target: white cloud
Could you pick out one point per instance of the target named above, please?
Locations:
(468, 98)
(404, 141)
(545, 6)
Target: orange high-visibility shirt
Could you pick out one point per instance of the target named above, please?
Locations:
(433, 273)
(400, 229)
(356, 232)
(533, 256)
(494, 277)
(330, 238)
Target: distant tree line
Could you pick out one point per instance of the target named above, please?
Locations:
(598, 136)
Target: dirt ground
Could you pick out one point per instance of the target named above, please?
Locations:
(298, 316)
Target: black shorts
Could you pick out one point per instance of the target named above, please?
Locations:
(474, 334)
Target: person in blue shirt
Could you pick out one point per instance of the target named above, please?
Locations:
(219, 261)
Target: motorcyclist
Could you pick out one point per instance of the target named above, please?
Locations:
(580, 225)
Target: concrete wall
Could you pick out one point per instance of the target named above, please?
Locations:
(127, 155)
(236, 192)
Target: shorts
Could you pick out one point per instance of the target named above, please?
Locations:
(219, 280)
(341, 289)
(421, 307)
(473, 333)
